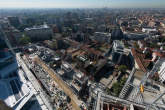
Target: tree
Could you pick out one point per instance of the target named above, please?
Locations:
(23, 26)
(122, 81)
(122, 68)
(117, 87)
(136, 45)
(154, 45)
(54, 45)
(64, 34)
(108, 91)
(68, 99)
(126, 46)
(24, 40)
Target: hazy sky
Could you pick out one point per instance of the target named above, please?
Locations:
(82, 3)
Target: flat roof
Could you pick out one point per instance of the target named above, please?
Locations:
(37, 27)
(135, 33)
(66, 65)
(79, 75)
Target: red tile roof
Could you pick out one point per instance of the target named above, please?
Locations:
(160, 54)
(90, 50)
(140, 59)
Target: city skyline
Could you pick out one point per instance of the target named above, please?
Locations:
(82, 55)
(82, 4)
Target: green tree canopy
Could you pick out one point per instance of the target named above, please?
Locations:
(117, 87)
(24, 40)
(122, 68)
(136, 45)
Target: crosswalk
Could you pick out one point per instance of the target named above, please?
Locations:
(127, 85)
(136, 96)
(125, 90)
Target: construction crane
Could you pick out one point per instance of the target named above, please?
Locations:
(144, 80)
(141, 88)
(160, 96)
(153, 104)
(146, 76)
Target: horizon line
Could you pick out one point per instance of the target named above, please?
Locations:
(81, 8)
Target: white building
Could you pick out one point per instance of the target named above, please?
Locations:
(117, 51)
(148, 30)
(66, 67)
(68, 71)
(12, 86)
(118, 45)
(135, 35)
(15, 88)
(42, 32)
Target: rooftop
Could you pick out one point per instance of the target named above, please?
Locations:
(14, 90)
(109, 102)
(140, 59)
(37, 27)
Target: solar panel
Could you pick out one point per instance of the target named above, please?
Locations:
(15, 90)
(19, 87)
